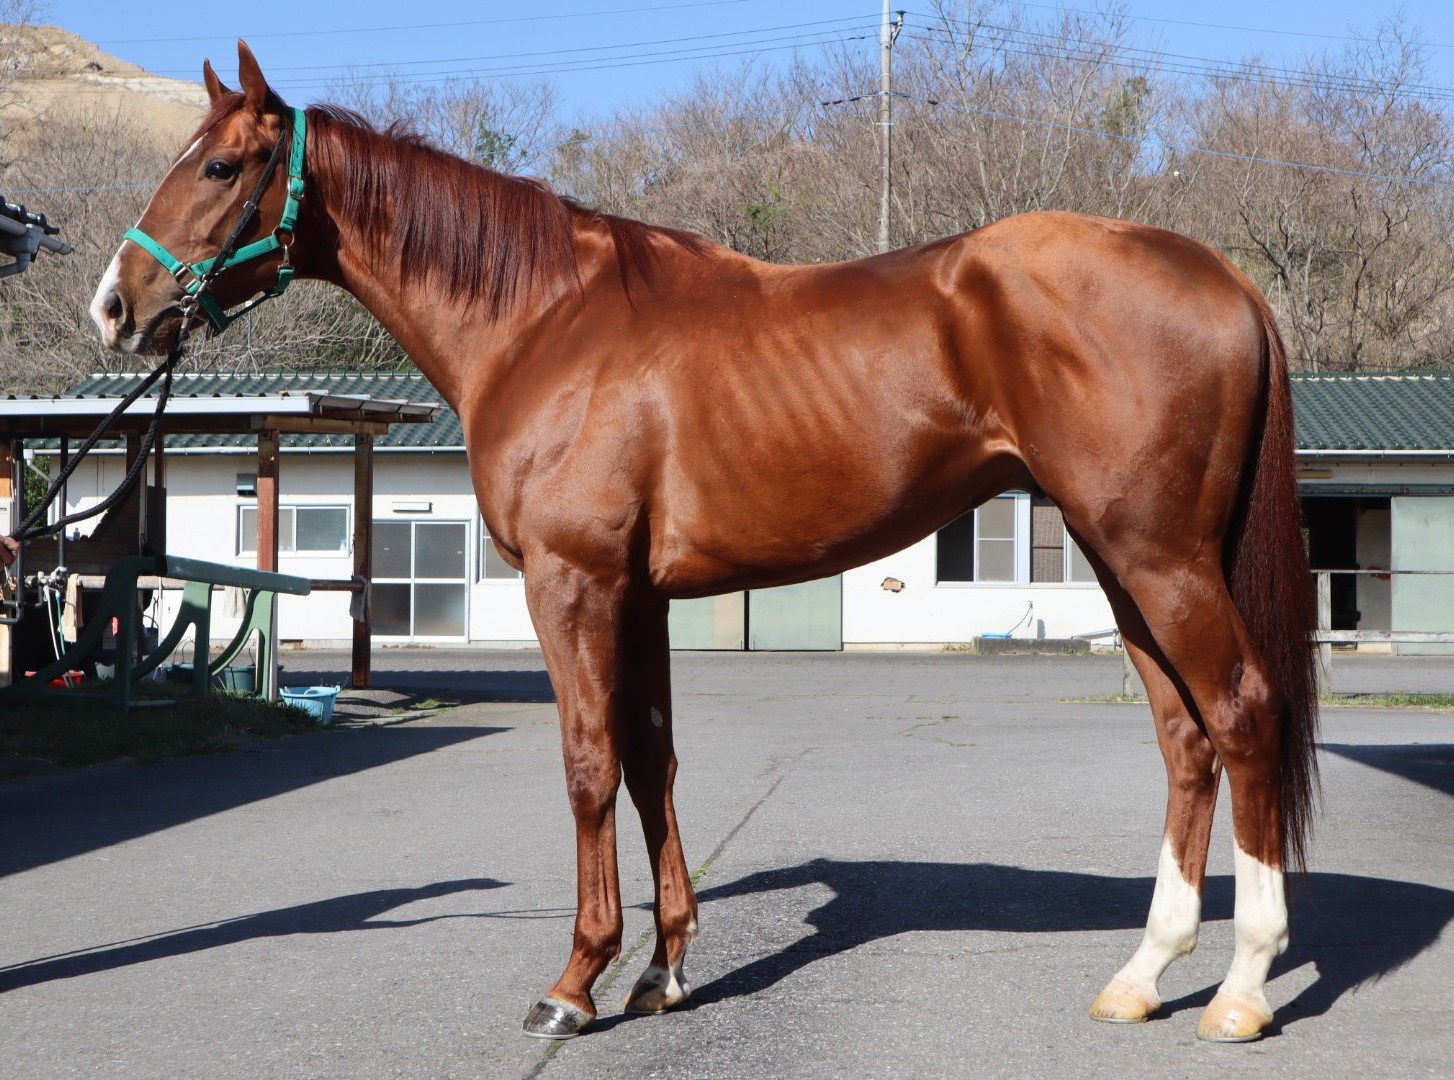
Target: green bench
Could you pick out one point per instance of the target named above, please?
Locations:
(118, 600)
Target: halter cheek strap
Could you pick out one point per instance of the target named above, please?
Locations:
(195, 278)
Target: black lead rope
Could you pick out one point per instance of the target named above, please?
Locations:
(31, 528)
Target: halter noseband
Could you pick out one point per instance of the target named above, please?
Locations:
(195, 278)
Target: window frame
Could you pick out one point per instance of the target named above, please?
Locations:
(290, 511)
(413, 580)
(1020, 540)
(482, 558)
(1023, 540)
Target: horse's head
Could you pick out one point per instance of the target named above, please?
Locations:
(154, 276)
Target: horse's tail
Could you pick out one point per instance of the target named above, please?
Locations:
(1272, 589)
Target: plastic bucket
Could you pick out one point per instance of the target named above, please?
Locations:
(317, 700)
(238, 679)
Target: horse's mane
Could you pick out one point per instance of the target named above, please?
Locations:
(480, 234)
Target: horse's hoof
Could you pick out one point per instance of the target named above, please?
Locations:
(658, 990)
(1122, 1003)
(551, 1018)
(1231, 1021)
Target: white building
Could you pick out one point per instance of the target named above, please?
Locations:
(1376, 465)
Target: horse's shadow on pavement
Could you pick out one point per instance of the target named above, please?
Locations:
(336, 915)
(1354, 930)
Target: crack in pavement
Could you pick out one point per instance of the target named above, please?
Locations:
(628, 955)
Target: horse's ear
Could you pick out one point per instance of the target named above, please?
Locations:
(215, 86)
(259, 94)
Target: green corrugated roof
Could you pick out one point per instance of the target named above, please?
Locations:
(1367, 411)
(443, 433)
(1348, 411)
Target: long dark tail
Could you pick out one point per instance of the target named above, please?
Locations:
(1273, 591)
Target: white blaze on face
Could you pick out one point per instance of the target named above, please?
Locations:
(110, 283)
(1261, 927)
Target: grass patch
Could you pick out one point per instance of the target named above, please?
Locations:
(429, 704)
(178, 724)
(1442, 702)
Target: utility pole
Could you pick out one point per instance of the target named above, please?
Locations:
(888, 34)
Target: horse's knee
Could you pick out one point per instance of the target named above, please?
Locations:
(591, 787)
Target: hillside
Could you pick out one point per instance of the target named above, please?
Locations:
(47, 73)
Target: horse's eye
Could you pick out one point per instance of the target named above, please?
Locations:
(217, 169)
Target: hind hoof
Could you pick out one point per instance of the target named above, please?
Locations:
(1231, 1021)
(1122, 1003)
(551, 1018)
(657, 991)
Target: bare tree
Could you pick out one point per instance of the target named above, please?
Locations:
(506, 126)
(1335, 194)
(1332, 186)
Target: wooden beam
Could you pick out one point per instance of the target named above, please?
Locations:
(137, 494)
(267, 500)
(316, 425)
(267, 543)
(363, 555)
(7, 494)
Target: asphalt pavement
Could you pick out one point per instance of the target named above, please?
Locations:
(910, 865)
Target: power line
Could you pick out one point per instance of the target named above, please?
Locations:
(1209, 25)
(857, 24)
(1180, 148)
(1139, 59)
(338, 31)
(836, 31)
(628, 60)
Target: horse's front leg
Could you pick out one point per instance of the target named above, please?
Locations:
(578, 617)
(649, 763)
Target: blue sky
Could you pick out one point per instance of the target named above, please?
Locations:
(600, 54)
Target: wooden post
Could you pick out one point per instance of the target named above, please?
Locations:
(1325, 624)
(156, 497)
(363, 556)
(267, 544)
(1130, 678)
(137, 493)
(7, 495)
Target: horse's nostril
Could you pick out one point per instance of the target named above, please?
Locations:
(114, 308)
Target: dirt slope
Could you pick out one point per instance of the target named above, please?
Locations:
(46, 73)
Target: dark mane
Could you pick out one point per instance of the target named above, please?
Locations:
(480, 234)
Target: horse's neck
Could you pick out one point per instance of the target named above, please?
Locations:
(445, 337)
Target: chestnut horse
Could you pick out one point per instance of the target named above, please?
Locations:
(650, 416)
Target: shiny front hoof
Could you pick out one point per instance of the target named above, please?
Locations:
(551, 1018)
(658, 990)
(1122, 1003)
(1231, 1021)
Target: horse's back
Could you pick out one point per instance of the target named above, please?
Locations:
(837, 413)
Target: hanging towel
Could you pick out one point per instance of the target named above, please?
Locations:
(71, 615)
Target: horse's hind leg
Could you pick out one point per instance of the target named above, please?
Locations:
(1192, 772)
(1193, 621)
(649, 763)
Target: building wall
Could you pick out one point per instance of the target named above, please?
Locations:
(924, 612)
(202, 513)
(1375, 594)
(202, 522)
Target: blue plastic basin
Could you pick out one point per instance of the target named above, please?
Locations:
(317, 700)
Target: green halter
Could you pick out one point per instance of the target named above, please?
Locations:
(194, 278)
